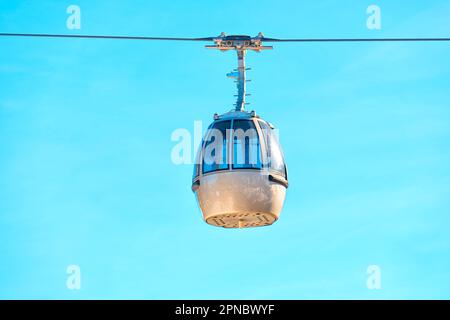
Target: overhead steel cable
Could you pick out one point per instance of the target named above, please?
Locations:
(264, 39)
(46, 35)
(354, 39)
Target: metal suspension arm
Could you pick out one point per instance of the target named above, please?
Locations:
(240, 77)
(241, 44)
(241, 81)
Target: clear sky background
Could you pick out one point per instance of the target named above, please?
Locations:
(86, 176)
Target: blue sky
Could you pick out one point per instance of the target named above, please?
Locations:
(86, 176)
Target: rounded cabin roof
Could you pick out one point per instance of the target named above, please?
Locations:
(233, 114)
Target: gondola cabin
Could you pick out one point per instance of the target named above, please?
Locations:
(240, 177)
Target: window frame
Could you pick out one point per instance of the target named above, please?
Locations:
(258, 133)
(267, 163)
(204, 146)
(263, 150)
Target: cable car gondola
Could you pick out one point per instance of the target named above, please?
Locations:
(240, 177)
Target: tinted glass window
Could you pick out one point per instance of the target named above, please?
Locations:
(196, 167)
(197, 163)
(275, 159)
(246, 148)
(215, 147)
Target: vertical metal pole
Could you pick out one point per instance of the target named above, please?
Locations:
(241, 80)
